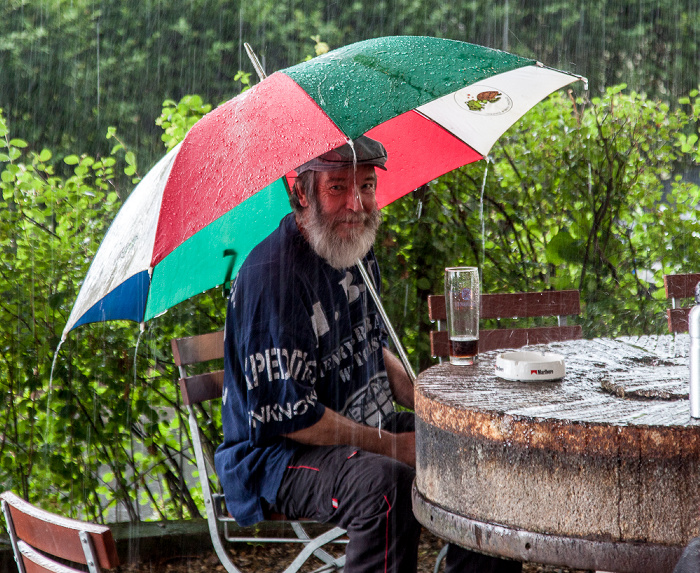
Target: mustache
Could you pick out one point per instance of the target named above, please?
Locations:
(361, 217)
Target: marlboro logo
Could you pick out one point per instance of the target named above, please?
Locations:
(540, 372)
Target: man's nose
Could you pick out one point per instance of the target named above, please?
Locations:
(353, 201)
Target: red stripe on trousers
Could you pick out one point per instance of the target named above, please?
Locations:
(386, 549)
(303, 468)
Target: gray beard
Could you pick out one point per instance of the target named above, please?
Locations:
(338, 252)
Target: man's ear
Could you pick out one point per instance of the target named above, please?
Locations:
(301, 195)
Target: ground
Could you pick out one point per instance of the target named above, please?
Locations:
(273, 558)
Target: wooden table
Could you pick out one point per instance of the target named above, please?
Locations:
(598, 471)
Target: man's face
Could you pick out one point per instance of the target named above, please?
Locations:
(341, 221)
(346, 198)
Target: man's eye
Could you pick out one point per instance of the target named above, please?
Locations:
(336, 190)
(368, 188)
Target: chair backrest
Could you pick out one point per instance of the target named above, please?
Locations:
(38, 537)
(559, 303)
(198, 388)
(679, 287)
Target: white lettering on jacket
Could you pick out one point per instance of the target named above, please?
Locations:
(276, 364)
(279, 412)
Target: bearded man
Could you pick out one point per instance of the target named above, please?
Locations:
(308, 413)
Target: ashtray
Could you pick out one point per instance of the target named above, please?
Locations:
(530, 366)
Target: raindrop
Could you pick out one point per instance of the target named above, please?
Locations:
(142, 328)
(49, 418)
(481, 214)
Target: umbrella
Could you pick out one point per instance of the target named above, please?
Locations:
(435, 104)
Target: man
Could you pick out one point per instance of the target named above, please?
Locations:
(309, 423)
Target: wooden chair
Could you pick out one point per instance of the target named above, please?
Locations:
(197, 390)
(559, 303)
(46, 542)
(679, 287)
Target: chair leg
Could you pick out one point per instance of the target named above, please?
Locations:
(440, 557)
(209, 506)
(320, 553)
(312, 546)
(13, 536)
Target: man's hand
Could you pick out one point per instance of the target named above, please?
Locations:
(334, 430)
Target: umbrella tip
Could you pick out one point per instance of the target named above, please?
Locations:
(254, 60)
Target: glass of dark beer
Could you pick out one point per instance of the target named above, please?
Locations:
(463, 303)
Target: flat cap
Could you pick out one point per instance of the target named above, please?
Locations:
(366, 152)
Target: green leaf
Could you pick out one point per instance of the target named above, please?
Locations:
(72, 160)
(563, 248)
(18, 143)
(45, 155)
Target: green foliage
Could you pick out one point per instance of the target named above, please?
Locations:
(176, 119)
(689, 142)
(105, 427)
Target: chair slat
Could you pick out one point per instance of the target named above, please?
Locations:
(57, 535)
(530, 304)
(508, 338)
(202, 387)
(677, 319)
(35, 562)
(681, 285)
(518, 337)
(200, 348)
(516, 305)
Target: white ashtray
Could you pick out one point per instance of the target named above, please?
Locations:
(530, 366)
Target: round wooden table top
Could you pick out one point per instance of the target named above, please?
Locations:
(610, 385)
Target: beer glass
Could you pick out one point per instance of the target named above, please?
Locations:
(463, 303)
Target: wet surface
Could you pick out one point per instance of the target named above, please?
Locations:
(587, 475)
(655, 382)
(579, 396)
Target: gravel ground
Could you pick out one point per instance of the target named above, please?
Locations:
(274, 558)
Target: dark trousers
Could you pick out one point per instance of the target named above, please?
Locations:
(369, 495)
(690, 560)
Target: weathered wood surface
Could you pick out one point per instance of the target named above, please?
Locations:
(579, 397)
(566, 459)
